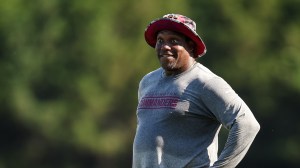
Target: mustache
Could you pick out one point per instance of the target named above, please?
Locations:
(165, 53)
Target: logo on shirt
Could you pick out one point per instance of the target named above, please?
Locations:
(158, 102)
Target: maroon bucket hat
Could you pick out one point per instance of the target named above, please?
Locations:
(178, 23)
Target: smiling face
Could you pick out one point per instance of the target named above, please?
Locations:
(174, 52)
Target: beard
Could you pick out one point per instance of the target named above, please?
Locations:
(168, 63)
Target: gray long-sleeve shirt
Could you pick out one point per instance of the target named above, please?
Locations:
(179, 118)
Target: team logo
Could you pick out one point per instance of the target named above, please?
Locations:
(158, 102)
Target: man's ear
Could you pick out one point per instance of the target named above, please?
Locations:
(191, 46)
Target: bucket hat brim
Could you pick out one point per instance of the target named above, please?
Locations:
(177, 26)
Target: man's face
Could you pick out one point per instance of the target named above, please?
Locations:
(174, 52)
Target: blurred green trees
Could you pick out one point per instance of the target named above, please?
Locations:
(70, 72)
(254, 45)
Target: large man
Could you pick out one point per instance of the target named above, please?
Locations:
(182, 105)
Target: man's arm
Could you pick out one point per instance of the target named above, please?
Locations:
(234, 114)
(241, 136)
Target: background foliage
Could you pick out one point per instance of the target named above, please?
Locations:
(69, 72)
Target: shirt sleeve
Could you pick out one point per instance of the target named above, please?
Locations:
(233, 113)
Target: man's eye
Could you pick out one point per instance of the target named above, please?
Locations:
(159, 41)
(174, 41)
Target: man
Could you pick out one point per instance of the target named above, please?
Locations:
(182, 105)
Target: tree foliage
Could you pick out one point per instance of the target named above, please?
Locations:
(69, 72)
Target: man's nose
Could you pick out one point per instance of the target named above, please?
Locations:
(165, 46)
